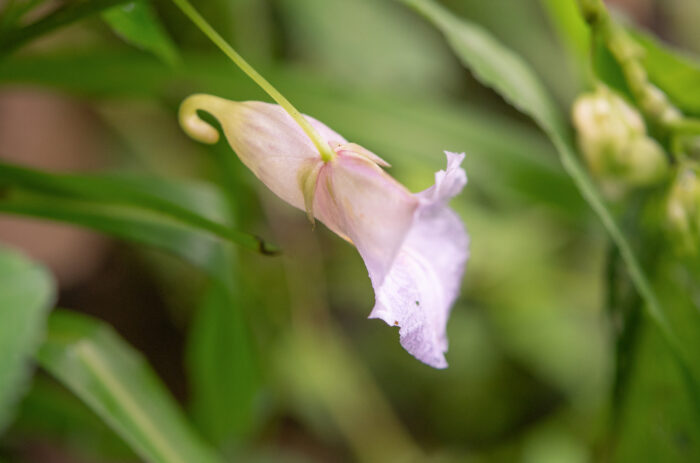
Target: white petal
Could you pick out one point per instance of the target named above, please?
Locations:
(418, 292)
(359, 201)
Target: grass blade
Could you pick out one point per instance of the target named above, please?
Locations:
(122, 192)
(116, 382)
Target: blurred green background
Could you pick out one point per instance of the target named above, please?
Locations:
(278, 362)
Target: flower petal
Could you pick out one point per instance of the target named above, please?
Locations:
(418, 292)
(359, 201)
(273, 146)
(265, 138)
(354, 148)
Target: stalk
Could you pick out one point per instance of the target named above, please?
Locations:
(321, 145)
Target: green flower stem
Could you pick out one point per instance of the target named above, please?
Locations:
(653, 103)
(686, 126)
(321, 145)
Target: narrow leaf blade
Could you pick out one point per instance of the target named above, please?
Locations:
(221, 363)
(124, 223)
(117, 383)
(26, 295)
(140, 194)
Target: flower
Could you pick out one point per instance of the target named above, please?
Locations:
(414, 246)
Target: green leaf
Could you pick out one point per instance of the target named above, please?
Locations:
(221, 363)
(51, 412)
(499, 68)
(222, 398)
(136, 22)
(26, 295)
(13, 11)
(62, 16)
(656, 423)
(495, 65)
(123, 191)
(311, 30)
(222, 367)
(117, 383)
(607, 69)
(139, 226)
(569, 25)
(674, 72)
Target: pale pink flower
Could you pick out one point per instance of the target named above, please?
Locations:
(414, 246)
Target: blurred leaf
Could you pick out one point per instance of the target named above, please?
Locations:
(51, 412)
(507, 73)
(607, 69)
(137, 24)
(674, 72)
(495, 65)
(150, 228)
(112, 190)
(222, 395)
(26, 295)
(573, 34)
(526, 31)
(318, 368)
(375, 58)
(137, 226)
(624, 309)
(568, 23)
(117, 383)
(62, 16)
(13, 11)
(252, 27)
(222, 368)
(221, 365)
(656, 422)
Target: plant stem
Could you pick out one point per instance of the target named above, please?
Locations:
(628, 53)
(321, 145)
(686, 126)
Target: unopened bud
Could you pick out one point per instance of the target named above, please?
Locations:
(683, 207)
(614, 142)
(658, 106)
(644, 162)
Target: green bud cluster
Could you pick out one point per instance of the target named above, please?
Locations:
(683, 206)
(614, 141)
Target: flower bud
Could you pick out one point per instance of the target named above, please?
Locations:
(614, 142)
(683, 207)
(643, 162)
(657, 104)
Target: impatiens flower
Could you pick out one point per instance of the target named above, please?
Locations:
(414, 246)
